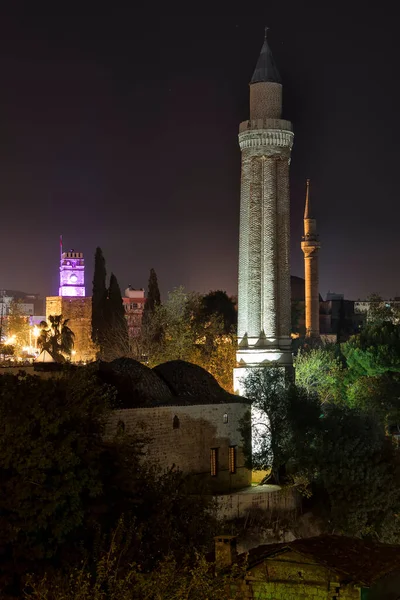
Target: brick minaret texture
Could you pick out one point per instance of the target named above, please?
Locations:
(264, 316)
(310, 246)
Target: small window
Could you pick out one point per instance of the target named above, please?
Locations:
(176, 423)
(225, 419)
(120, 427)
(214, 462)
(232, 459)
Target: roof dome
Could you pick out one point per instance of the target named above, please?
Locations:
(136, 384)
(193, 384)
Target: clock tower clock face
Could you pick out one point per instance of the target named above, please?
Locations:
(73, 278)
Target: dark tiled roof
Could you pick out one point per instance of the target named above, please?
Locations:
(360, 561)
(266, 69)
(191, 384)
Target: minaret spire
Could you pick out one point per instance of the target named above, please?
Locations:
(307, 212)
(310, 246)
(266, 69)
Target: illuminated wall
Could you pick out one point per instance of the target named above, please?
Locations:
(72, 274)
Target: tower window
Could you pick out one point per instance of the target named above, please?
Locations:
(232, 459)
(225, 418)
(214, 462)
(176, 423)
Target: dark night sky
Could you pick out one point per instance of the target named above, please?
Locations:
(119, 129)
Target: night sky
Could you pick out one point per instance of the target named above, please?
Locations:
(119, 129)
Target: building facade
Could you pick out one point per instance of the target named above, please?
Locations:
(134, 301)
(264, 312)
(310, 246)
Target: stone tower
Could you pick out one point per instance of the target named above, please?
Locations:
(310, 246)
(72, 274)
(264, 315)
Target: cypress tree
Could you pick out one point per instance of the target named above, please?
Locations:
(153, 296)
(116, 321)
(99, 299)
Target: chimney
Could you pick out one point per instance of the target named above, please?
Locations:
(225, 551)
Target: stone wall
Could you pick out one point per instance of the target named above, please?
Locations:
(184, 436)
(280, 502)
(79, 312)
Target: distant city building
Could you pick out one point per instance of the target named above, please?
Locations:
(334, 296)
(134, 301)
(72, 274)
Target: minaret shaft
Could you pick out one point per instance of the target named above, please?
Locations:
(310, 246)
(264, 314)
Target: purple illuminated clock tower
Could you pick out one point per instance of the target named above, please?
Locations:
(72, 274)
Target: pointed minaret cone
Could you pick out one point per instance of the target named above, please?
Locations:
(265, 87)
(310, 246)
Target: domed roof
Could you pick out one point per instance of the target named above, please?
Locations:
(136, 384)
(193, 384)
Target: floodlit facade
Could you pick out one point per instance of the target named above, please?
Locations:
(72, 274)
(264, 312)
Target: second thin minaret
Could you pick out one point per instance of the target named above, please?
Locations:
(310, 246)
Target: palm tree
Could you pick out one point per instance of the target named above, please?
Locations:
(57, 339)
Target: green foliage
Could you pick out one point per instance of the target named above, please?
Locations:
(357, 475)
(113, 579)
(283, 418)
(217, 304)
(380, 311)
(376, 350)
(320, 371)
(50, 442)
(99, 299)
(18, 325)
(58, 339)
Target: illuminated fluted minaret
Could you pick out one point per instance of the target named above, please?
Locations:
(264, 316)
(310, 246)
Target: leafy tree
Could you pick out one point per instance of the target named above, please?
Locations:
(50, 442)
(320, 371)
(282, 419)
(58, 339)
(99, 299)
(218, 304)
(380, 311)
(374, 351)
(357, 473)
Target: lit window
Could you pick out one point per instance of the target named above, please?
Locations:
(225, 418)
(214, 462)
(176, 423)
(232, 459)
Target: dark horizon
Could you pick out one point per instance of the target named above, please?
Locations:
(120, 131)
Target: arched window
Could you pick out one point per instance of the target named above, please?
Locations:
(176, 423)
(225, 419)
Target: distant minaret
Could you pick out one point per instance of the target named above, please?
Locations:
(310, 246)
(264, 321)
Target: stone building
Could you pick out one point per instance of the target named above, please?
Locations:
(79, 312)
(191, 421)
(264, 319)
(310, 246)
(327, 567)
